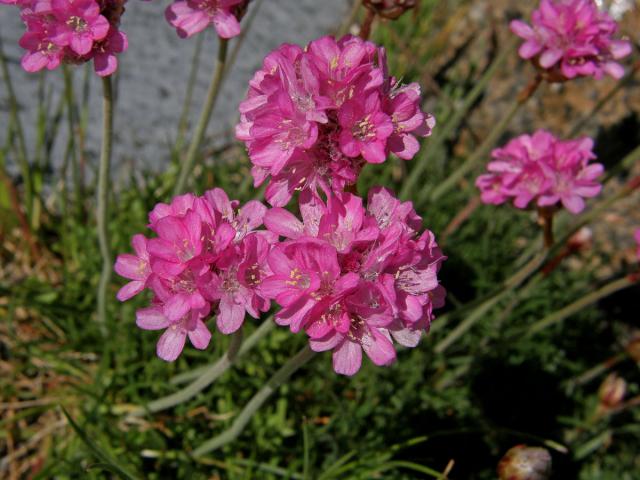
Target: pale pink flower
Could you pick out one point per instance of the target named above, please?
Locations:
(192, 16)
(574, 38)
(542, 169)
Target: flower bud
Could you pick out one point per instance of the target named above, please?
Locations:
(390, 9)
(525, 463)
(612, 391)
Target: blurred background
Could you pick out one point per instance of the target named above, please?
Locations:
(453, 405)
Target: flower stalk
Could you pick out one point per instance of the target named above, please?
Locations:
(205, 115)
(241, 421)
(443, 132)
(103, 199)
(480, 153)
(217, 369)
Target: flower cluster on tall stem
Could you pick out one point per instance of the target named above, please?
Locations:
(208, 257)
(71, 31)
(542, 169)
(572, 38)
(314, 117)
(192, 16)
(354, 279)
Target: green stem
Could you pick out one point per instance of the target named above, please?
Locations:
(205, 115)
(184, 117)
(241, 421)
(478, 155)
(246, 347)
(22, 145)
(204, 380)
(458, 116)
(103, 199)
(575, 307)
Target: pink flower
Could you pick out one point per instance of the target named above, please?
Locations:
(314, 117)
(365, 129)
(171, 342)
(134, 267)
(354, 279)
(105, 61)
(209, 256)
(637, 237)
(574, 38)
(543, 169)
(192, 16)
(78, 24)
(71, 31)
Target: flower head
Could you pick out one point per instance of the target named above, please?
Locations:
(71, 31)
(207, 256)
(354, 279)
(192, 16)
(572, 38)
(314, 117)
(542, 169)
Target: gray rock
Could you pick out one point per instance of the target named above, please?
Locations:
(154, 71)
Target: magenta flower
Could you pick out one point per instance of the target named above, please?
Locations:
(355, 280)
(573, 38)
(314, 117)
(543, 169)
(105, 61)
(71, 31)
(192, 16)
(209, 256)
(365, 129)
(78, 24)
(134, 267)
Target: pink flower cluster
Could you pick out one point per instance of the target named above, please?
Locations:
(192, 16)
(543, 169)
(354, 279)
(71, 31)
(207, 258)
(572, 38)
(314, 116)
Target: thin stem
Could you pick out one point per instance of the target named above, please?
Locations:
(480, 152)
(103, 199)
(206, 379)
(241, 421)
(350, 19)
(205, 115)
(216, 367)
(365, 29)
(545, 218)
(441, 136)
(184, 117)
(575, 307)
(22, 145)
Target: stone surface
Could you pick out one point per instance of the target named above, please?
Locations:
(154, 72)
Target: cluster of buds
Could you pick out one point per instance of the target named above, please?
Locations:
(71, 31)
(390, 9)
